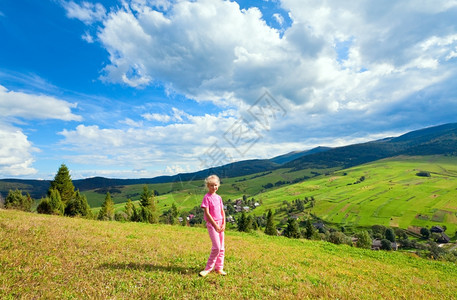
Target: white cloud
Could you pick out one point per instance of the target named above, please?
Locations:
(278, 18)
(88, 37)
(86, 12)
(156, 117)
(210, 49)
(16, 157)
(214, 51)
(31, 106)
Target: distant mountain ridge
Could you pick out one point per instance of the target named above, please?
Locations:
(440, 139)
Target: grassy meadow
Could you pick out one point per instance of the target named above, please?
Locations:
(391, 194)
(43, 256)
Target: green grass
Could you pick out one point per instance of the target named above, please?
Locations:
(391, 194)
(45, 257)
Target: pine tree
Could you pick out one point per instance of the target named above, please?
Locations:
(292, 230)
(129, 208)
(242, 222)
(106, 213)
(148, 212)
(390, 235)
(44, 207)
(51, 204)
(310, 230)
(56, 203)
(270, 228)
(145, 198)
(62, 182)
(15, 200)
(78, 206)
(248, 225)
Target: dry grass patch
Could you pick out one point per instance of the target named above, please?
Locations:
(56, 257)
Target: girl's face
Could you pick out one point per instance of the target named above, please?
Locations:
(213, 187)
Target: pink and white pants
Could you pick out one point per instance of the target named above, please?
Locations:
(216, 257)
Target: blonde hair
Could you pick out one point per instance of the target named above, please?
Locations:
(212, 178)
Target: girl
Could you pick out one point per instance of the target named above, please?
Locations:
(215, 222)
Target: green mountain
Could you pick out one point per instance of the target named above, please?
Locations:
(434, 140)
(429, 141)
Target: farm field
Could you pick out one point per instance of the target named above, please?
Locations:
(44, 256)
(391, 194)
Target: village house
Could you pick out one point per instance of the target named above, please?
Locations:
(376, 245)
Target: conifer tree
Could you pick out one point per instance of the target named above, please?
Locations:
(78, 206)
(62, 182)
(106, 213)
(390, 235)
(16, 200)
(248, 225)
(270, 228)
(242, 222)
(51, 204)
(129, 208)
(44, 207)
(148, 211)
(56, 203)
(292, 230)
(310, 230)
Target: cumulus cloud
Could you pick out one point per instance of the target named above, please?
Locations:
(355, 70)
(86, 12)
(213, 50)
(16, 151)
(32, 106)
(16, 157)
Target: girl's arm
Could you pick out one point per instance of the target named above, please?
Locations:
(223, 218)
(210, 219)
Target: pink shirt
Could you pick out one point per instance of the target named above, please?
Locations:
(214, 203)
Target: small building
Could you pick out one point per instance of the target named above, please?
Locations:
(437, 229)
(443, 239)
(230, 219)
(376, 245)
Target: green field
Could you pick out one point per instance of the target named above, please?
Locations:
(48, 257)
(391, 194)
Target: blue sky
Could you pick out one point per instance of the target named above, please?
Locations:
(142, 88)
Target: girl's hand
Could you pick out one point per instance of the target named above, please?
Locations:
(222, 228)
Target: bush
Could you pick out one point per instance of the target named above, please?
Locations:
(121, 216)
(15, 200)
(423, 174)
(338, 238)
(386, 244)
(292, 230)
(363, 240)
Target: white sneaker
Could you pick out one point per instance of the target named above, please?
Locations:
(221, 272)
(203, 273)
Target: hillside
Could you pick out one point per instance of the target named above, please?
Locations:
(391, 194)
(44, 256)
(429, 141)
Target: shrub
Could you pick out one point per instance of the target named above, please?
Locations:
(338, 238)
(423, 174)
(386, 244)
(363, 240)
(15, 200)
